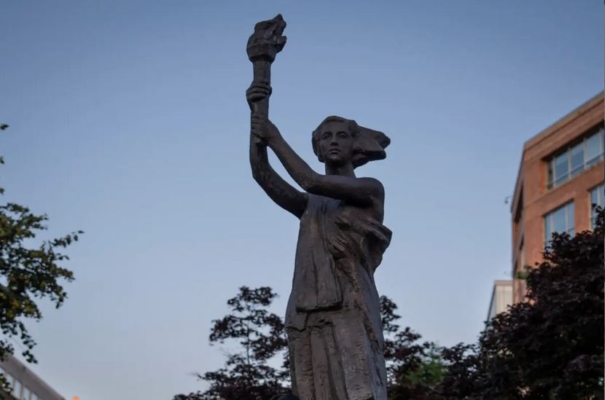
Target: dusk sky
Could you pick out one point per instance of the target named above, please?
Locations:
(128, 120)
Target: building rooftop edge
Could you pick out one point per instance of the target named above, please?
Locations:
(599, 97)
(567, 118)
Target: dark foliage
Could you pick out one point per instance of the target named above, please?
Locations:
(551, 345)
(460, 379)
(413, 367)
(247, 375)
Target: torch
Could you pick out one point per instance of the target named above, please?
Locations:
(264, 44)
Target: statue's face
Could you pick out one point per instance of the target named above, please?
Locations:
(335, 143)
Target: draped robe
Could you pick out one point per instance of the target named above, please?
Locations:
(333, 318)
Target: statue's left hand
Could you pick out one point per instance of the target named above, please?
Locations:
(264, 129)
(258, 92)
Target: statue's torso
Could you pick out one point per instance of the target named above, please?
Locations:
(339, 247)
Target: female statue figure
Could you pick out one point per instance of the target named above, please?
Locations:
(333, 322)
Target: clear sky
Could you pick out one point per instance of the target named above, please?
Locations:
(129, 121)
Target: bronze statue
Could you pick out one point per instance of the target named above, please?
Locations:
(333, 322)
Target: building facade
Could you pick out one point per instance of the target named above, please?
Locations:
(502, 297)
(25, 384)
(561, 175)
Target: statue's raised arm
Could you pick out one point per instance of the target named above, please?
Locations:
(264, 44)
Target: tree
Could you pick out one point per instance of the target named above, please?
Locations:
(551, 345)
(27, 274)
(260, 334)
(461, 373)
(413, 368)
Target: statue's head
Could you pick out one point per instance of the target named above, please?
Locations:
(338, 141)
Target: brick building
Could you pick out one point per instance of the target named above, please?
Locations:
(560, 176)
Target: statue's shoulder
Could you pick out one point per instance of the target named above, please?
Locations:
(373, 181)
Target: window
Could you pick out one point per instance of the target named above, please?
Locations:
(9, 378)
(575, 159)
(25, 393)
(560, 220)
(597, 196)
(17, 389)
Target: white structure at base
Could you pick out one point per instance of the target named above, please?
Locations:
(25, 383)
(502, 297)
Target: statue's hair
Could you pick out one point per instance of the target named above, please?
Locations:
(368, 144)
